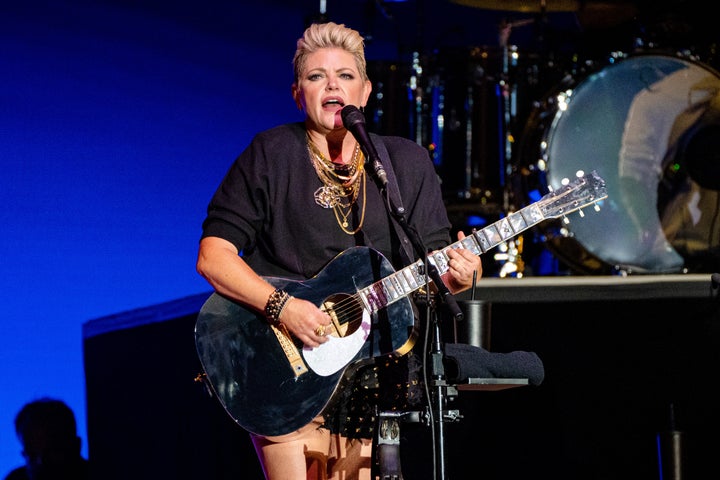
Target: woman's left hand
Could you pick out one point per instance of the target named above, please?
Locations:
(462, 267)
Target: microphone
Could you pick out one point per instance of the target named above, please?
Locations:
(715, 280)
(354, 120)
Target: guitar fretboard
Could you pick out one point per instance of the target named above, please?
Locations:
(583, 191)
(411, 278)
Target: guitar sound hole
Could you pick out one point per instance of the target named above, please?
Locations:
(346, 312)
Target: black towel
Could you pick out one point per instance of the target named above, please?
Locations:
(468, 361)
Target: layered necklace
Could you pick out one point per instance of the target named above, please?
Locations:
(341, 185)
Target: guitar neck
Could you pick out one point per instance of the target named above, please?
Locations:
(586, 190)
(411, 278)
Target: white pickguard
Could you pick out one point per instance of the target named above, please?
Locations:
(337, 352)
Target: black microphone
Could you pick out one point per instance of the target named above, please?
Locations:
(354, 120)
(715, 280)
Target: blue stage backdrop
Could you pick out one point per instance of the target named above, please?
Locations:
(118, 119)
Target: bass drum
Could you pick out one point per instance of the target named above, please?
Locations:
(650, 126)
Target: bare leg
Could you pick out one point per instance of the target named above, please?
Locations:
(284, 458)
(350, 459)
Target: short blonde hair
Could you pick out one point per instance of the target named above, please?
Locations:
(330, 35)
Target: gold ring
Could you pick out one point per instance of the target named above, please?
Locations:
(320, 331)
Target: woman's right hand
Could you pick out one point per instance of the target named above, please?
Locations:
(306, 322)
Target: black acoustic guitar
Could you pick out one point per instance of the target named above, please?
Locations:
(270, 384)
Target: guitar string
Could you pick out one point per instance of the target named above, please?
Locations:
(348, 307)
(352, 305)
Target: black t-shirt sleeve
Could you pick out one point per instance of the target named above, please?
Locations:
(239, 206)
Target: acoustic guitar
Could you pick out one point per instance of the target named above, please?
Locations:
(270, 384)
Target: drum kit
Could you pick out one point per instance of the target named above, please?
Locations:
(505, 126)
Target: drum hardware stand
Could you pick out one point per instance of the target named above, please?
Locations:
(510, 251)
(417, 126)
(467, 193)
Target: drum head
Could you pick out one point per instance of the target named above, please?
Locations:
(645, 125)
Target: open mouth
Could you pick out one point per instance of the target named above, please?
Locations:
(331, 102)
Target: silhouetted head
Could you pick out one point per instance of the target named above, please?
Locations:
(47, 432)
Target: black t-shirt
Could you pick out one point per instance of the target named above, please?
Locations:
(266, 207)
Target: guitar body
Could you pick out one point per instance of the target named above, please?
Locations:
(248, 369)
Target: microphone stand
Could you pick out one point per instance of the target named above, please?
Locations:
(438, 398)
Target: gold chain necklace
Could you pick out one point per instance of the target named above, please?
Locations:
(339, 213)
(341, 185)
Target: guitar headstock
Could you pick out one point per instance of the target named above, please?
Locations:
(585, 190)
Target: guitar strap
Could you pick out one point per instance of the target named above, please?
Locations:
(393, 192)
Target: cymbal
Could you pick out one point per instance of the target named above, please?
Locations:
(541, 6)
(590, 14)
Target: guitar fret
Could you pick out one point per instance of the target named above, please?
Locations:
(471, 244)
(493, 234)
(417, 269)
(408, 273)
(482, 240)
(401, 283)
(517, 221)
(374, 297)
(380, 295)
(440, 260)
(390, 290)
(505, 229)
